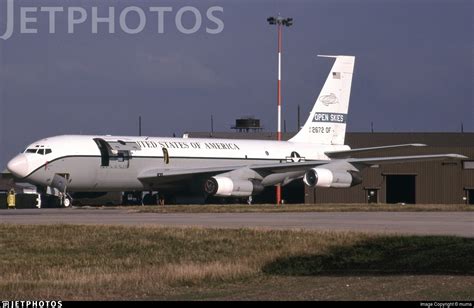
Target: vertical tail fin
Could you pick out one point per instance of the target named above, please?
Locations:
(327, 121)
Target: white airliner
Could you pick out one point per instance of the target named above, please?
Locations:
(212, 167)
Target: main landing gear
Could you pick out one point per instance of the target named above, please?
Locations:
(150, 199)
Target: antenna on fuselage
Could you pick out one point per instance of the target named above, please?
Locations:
(140, 126)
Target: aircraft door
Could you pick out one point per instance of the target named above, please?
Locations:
(121, 160)
(115, 154)
(104, 152)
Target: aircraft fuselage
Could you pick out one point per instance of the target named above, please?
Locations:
(81, 159)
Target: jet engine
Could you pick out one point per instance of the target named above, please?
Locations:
(321, 177)
(226, 187)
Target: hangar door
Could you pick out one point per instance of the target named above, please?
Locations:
(401, 188)
(470, 196)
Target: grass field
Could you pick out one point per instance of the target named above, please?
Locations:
(98, 262)
(267, 208)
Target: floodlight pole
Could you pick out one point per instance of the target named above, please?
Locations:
(279, 83)
(280, 22)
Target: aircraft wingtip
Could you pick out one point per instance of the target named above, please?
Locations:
(457, 156)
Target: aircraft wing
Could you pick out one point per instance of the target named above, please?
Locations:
(167, 175)
(298, 166)
(403, 159)
(164, 173)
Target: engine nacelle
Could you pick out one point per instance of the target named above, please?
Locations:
(226, 187)
(321, 177)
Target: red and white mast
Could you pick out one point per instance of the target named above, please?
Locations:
(280, 22)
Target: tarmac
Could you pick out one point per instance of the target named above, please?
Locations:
(416, 223)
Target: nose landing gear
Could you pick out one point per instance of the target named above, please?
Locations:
(60, 182)
(65, 200)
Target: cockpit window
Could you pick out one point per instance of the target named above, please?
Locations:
(39, 150)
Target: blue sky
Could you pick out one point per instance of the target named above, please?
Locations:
(414, 68)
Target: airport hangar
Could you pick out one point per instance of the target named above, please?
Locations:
(437, 182)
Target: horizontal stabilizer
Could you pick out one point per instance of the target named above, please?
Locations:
(348, 153)
(329, 56)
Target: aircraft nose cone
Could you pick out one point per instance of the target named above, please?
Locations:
(18, 166)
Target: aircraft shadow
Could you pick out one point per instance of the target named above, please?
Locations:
(390, 255)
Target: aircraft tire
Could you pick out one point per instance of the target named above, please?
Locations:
(67, 202)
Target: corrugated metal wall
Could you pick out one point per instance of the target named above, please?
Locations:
(438, 182)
